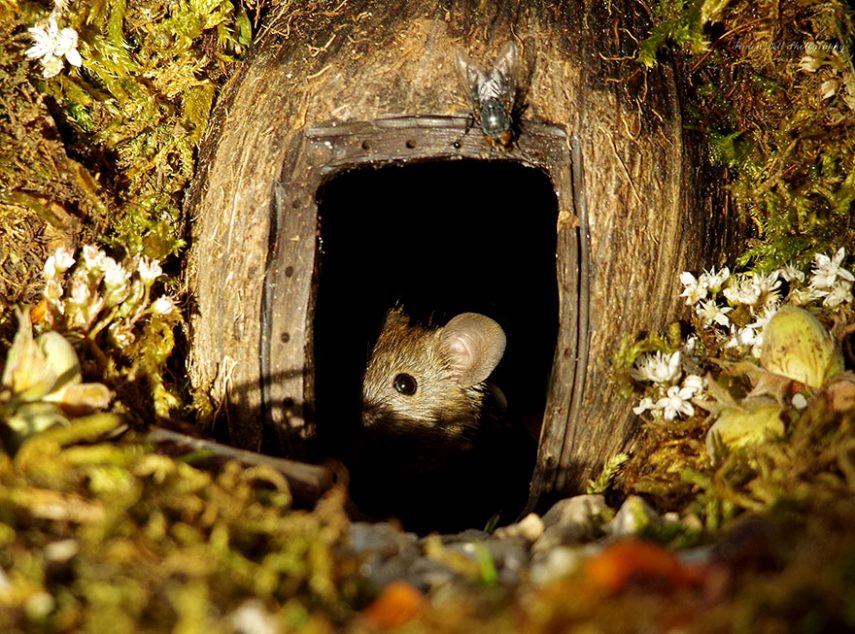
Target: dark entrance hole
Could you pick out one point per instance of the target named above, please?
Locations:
(438, 238)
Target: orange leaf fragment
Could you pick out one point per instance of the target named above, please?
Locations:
(398, 603)
(38, 313)
(631, 562)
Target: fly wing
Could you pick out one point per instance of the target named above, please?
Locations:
(506, 75)
(471, 79)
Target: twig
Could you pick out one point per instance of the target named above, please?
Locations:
(308, 482)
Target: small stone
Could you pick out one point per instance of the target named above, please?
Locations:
(469, 535)
(510, 557)
(556, 564)
(633, 517)
(572, 520)
(529, 528)
(386, 552)
(381, 538)
(426, 574)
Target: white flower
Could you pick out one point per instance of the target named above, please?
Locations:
(768, 312)
(80, 291)
(827, 270)
(688, 347)
(49, 270)
(752, 335)
(51, 45)
(58, 263)
(115, 275)
(710, 312)
(120, 334)
(694, 290)
(840, 293)
(64, 259)
(93, 257)
(742, 290)
(645, 405)
(768, 286)
(163, 305)
(714, 280)
(746, 336)
(829, 88)
(657, 367)
(694, 384)
(807, 295)
(149, 270)
(676, 402)
(742, 337)
(790, 273)
(799, 401)
(53, 290)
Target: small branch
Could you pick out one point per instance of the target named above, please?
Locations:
(308, 482)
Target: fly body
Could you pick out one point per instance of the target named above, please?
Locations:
(494, 94)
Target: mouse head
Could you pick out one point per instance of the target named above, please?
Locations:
(430, 381)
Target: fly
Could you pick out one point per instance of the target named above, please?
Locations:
(495, 94)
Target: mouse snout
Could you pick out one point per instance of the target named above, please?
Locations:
(371, 415)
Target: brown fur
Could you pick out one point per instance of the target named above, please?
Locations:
(441, 407)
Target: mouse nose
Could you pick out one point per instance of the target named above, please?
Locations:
(371, 415)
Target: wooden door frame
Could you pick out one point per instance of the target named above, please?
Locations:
(318, 154)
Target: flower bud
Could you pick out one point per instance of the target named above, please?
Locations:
(750, 423)
(797, 346)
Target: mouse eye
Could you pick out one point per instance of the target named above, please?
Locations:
(405, 384)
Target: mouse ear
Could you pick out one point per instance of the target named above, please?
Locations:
(474, 345)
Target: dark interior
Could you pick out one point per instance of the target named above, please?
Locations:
(438, 238)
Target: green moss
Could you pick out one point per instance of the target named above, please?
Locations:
(778, 105)
(104, 154)
(152, 542)
(679, 22)
(140, 104)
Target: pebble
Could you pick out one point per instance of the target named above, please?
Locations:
(530, 528)
(540, 549)
(572, 521)
(634, 516)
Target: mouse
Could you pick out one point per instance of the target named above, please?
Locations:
(439, 449)
(432, 382)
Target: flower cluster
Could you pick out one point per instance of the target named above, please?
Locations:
(835, 70)
(732, 314)
(671, 397)
(51, 44)
(102, 293)
(736, 308)
(829, 284)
